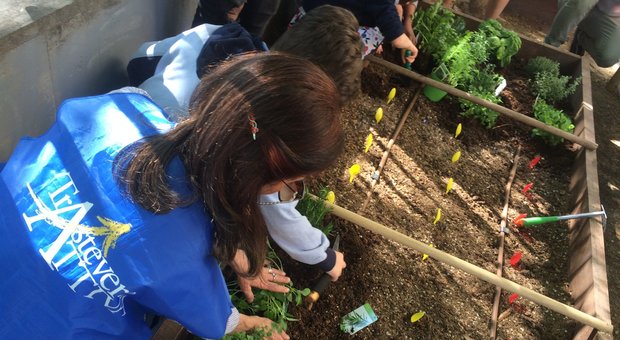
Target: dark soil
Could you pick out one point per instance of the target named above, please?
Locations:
(393, 279)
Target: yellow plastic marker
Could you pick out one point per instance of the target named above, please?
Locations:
(417, 316)
(354, 170)
(379, 115)
(438, 216)
(391, 95)
(368, 142)
(425, 256)
(456, 156)
(449, 186)
(331, 197)
(459, 128)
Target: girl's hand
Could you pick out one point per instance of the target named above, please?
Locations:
(405, 44)
(338, 267)
(247, 323)
(269, 278)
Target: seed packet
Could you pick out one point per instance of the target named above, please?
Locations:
(358, 319)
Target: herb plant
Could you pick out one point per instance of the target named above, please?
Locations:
(504, 43)
(541, 64)
(547, 83)
(315, 211)
(482, 84)
(267, 304)
(551, 116)
(438, 28)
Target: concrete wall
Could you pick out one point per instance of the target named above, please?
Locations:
(51, 50)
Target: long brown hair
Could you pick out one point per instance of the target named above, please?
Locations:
(296, 108)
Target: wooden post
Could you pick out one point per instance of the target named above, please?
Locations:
(500, 109)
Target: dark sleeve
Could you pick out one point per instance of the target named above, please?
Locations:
(386, 18)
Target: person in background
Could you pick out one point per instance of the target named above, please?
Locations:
(378, 20)
(253, 15)
(406, 10)
(116, 212)
(178, 71)
(599, 33)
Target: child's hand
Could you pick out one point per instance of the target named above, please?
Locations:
(338, 267)
(405, 44)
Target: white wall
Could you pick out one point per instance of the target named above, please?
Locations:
(58, 49)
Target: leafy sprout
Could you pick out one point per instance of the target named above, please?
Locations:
(551, 116)
(315, 211)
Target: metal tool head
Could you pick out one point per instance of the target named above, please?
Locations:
(604, 217)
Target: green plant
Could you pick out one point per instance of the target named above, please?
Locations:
(315, 211)
(541, 64)
(266, 303)
(546, 81)
(438, 28)
(503, 43)
(551, 116)
(482, 84)
(459, 61)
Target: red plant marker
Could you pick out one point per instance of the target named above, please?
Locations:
(527, 188)
(534, 162)
(512, 298)
(514, 260)
(519, 219)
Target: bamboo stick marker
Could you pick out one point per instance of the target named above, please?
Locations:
(469, 268)
(498, 108)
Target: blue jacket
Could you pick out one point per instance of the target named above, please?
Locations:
(78, 259)
(379, 13)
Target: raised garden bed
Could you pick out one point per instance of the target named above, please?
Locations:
(563, 261)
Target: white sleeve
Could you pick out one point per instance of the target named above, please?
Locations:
(293, 232)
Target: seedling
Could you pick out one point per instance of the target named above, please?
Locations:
(459, 129)
(315, 211)
(425, 256)
(266, 303)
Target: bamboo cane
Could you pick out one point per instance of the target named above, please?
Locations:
(500, 252)
(388, 148)
(500, 109)
(469, 268)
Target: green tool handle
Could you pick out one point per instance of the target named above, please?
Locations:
(539, 220)
(408, 64)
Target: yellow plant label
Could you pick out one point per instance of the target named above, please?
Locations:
(391, 95)
(456, 156)
(459, 128)
(368, 142)
(354, 170)
(378, 115)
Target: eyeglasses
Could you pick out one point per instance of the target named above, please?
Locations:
(289, 193)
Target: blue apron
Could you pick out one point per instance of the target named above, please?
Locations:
(78, 259)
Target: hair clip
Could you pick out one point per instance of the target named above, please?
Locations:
(253, 125)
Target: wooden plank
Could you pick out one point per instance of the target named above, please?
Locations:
(587, 266)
